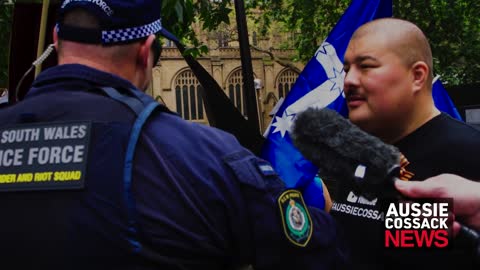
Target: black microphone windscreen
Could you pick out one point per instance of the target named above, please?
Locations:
(338, 147)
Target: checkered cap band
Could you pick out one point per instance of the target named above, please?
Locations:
(122, 35)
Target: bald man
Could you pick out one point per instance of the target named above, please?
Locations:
(388, 88)
(388, 81)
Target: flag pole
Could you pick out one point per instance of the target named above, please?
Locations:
(249, 94)
(41, 35)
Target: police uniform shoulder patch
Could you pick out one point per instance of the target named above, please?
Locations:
(297, 223)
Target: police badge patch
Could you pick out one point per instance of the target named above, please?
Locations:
(296, 220)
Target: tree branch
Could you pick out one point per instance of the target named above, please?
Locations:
(283, 63)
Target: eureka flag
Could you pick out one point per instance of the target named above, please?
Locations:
(442, 100)
(319, 85)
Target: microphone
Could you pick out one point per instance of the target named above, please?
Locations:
(343, 150)
(347, 153)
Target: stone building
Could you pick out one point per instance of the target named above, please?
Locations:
(175, 85)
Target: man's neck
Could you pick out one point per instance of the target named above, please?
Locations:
(121, 71)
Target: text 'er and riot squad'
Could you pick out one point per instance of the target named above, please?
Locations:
(63, 153)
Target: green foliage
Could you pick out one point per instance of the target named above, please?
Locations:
(179, 16)
(197, 51)
(453, 28)
(307, 21)
(5, 26)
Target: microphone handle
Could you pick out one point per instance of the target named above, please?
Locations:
(473, 239)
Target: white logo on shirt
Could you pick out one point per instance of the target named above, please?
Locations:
(360, 199)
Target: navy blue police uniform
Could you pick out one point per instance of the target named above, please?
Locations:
(94, 174)
(195, 200)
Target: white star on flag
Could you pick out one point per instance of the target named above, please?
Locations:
(337, 80)
(283, 124)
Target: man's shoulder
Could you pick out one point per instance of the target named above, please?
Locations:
(459, 133)
(170, 129)
(449, 146)
(445, 120)
(195, 151)
(445, 131)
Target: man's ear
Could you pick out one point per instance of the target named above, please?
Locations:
(145, 51)
(420, 72)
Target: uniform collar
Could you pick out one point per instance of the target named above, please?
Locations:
(80, 73)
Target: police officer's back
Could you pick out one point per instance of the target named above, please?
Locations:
(96, 175)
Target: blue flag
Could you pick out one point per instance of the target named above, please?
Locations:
(319, 85)
(442, 100)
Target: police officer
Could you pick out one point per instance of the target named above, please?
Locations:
(96, 175)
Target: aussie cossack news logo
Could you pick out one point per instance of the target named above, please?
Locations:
(419, 224)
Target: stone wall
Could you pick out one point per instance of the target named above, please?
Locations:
(221, 63)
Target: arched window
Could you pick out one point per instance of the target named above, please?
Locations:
(285, 81)
(235, 91)
(188, 97)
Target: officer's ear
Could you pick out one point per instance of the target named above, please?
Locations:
(145, 51)
(55, 38)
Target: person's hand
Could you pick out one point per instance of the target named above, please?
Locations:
(465, 194)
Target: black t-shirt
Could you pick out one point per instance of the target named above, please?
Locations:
(442, 145)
